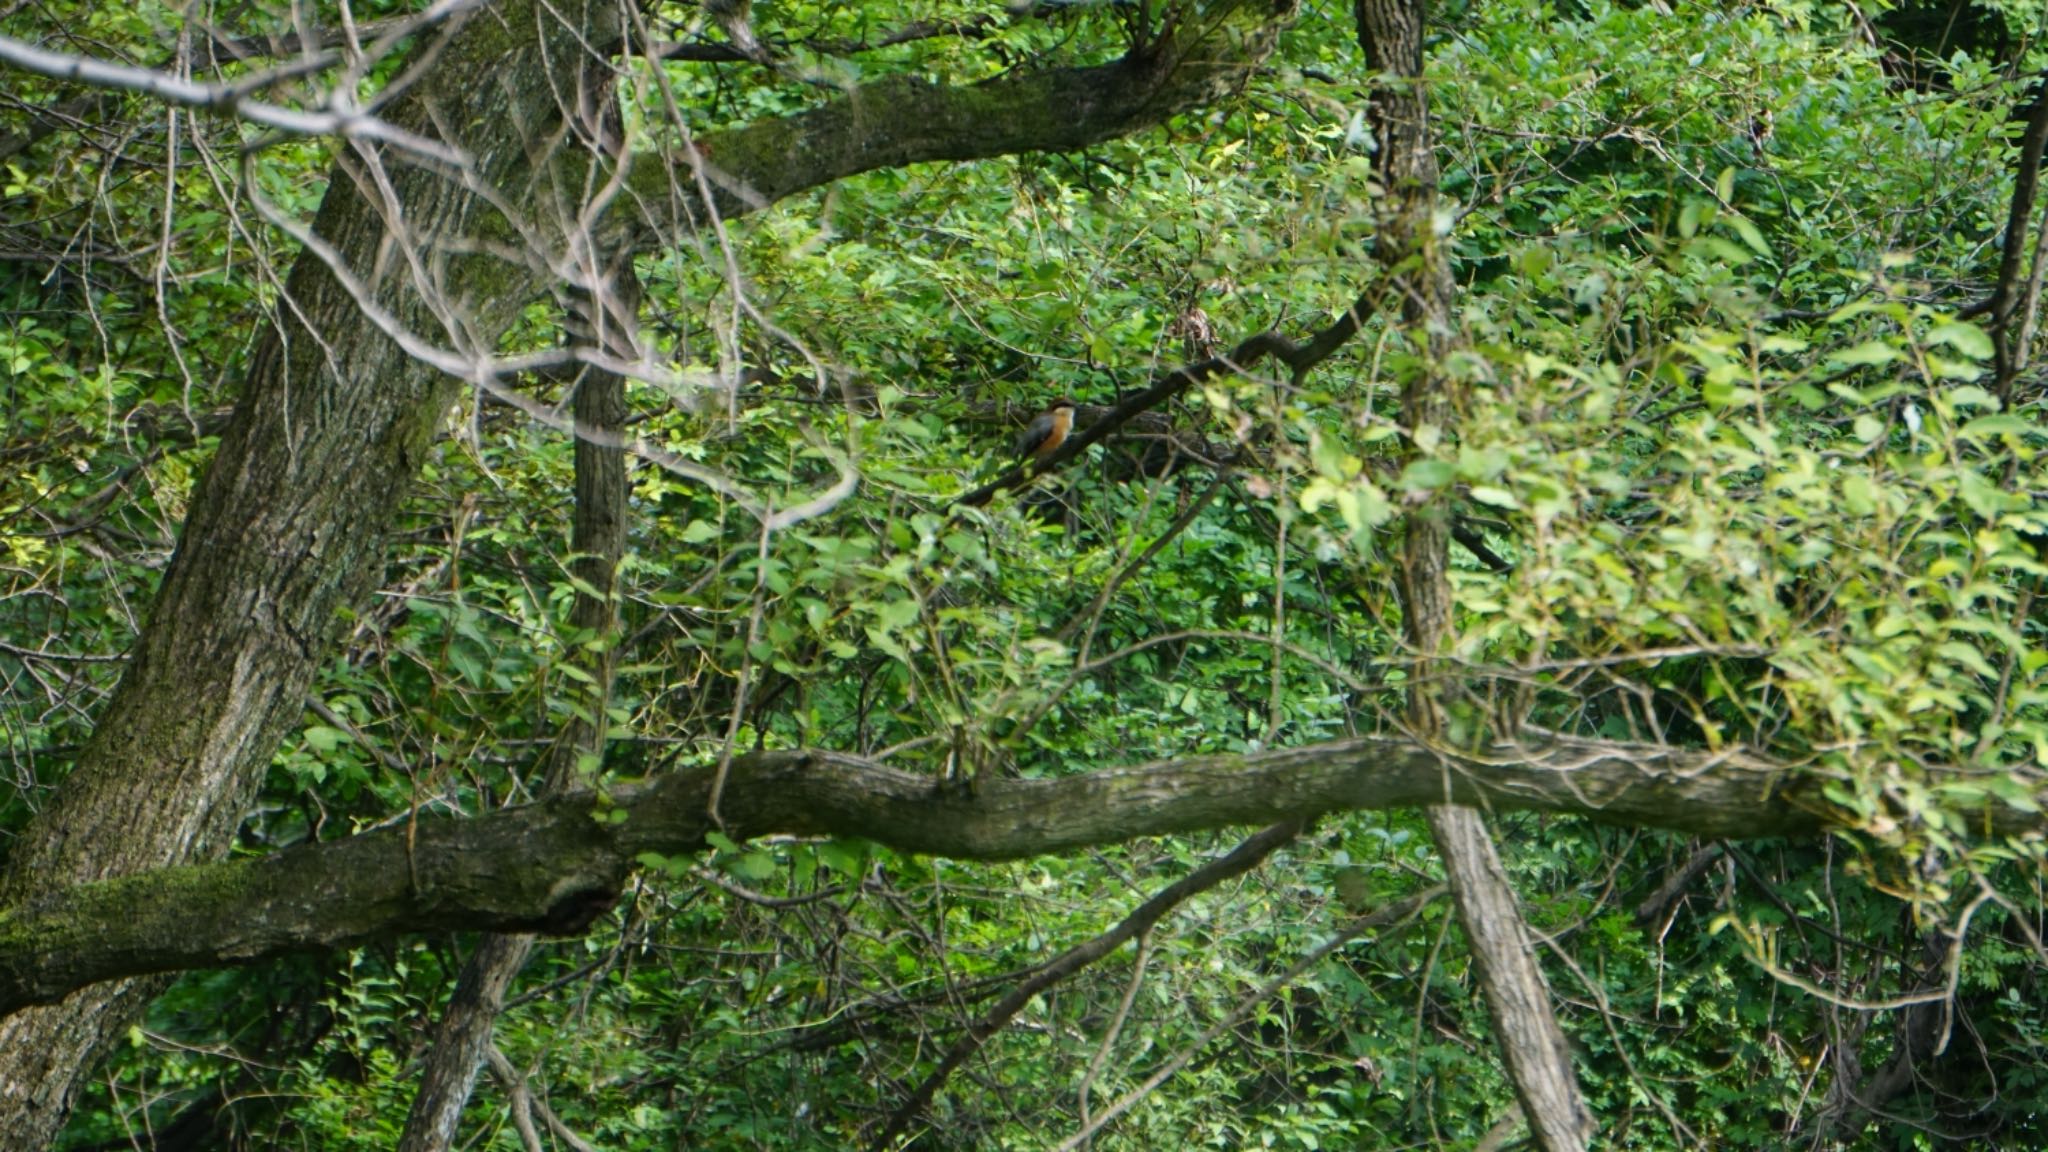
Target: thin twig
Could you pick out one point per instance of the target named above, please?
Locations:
(525, 1104)
(232, 98)
(1116, 1023)
(1299, 359)
(1241, 859)
(1393, 913)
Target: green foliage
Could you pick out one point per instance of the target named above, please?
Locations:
(1725, 413)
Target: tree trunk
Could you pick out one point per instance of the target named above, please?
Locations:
(335, 416)
(1391, 32)
(288, 526)
(463, 1038)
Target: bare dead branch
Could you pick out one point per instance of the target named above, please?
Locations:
(1245, 857)
(1391, 914)
(1300, 359)
(235, 98)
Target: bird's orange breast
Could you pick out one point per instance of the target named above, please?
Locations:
(1062, 423)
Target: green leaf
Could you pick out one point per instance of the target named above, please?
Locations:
(1984, 496)
(1750, 235)
(2002, 424)
(1689, 218)
(1968, 657)
(1870, 352)
(1721, 394)
(846, 857)
(1970, 396)
(321, 738)
(1859, 495)
(1964, 337)
(1428, 475)
(756, 866)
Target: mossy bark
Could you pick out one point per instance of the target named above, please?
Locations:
(287, 528)
(1407, 245)
(554, 864)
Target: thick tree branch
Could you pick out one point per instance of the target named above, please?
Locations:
(901, 120)
(2026, 179)
(976, 27)
(287, 527)
(556, 865)
(1657, 905)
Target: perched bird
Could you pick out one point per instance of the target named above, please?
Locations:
(1046, 432)
(735, 17)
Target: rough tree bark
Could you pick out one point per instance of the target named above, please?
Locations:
(288, 526)
(551, 866)
(1407, 244)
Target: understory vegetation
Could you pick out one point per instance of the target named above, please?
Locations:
(1743, 457)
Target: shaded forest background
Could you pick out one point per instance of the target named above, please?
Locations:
(1740, 459)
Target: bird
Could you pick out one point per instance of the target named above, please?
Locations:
(1046, 432)
(735, 17)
